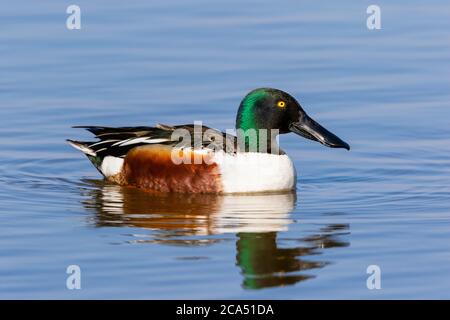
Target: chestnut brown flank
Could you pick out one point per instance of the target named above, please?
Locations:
(151, 167)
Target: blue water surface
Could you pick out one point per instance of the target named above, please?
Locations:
(384, 203)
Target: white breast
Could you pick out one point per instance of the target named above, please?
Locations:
(255, 172)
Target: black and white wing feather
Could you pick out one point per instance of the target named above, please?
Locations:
(117, 142)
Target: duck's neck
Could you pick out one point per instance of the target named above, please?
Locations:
(257, 140)
(251, 131)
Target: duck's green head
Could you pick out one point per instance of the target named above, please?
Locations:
(267, 108)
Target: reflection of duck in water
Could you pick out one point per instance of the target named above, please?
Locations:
(256, 220)
(177, 214)
(265, 264)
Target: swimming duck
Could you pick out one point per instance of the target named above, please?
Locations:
(198, 159)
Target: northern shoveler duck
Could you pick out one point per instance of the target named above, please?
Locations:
(165, 158)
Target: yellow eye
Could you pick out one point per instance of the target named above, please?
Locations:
(281, 104)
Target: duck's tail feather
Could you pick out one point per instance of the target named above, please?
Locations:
(90, 153)
(83, 147)
(116, 142)
(122, 133)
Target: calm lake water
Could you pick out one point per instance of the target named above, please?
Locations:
(385, 203)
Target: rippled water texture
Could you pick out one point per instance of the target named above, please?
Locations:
(385, 203)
